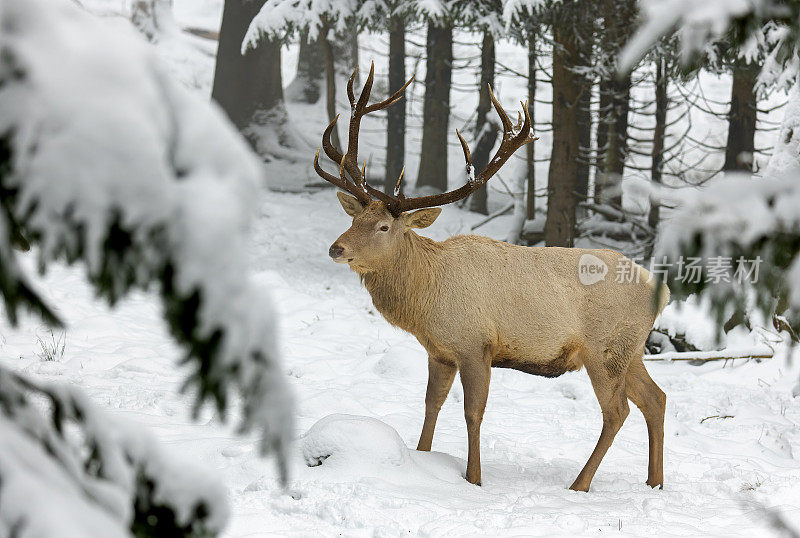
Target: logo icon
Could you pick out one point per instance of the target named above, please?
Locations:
(591, 269)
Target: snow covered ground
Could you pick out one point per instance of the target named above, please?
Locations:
(732, 437)
(342, 358)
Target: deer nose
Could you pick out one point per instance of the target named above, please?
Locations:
(335, 251)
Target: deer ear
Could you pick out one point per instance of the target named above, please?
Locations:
(350, 204)
(422, 218)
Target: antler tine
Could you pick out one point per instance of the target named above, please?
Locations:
(508, 145)
(397, 192)
(525, 131)
(501, 112)
(327, 145)
(322, 173)
(519, 118)
(396, 96)
(357, 112)
(348, 165)
(364, 173)
(361, 106)
(380, 195)
(341, 181)
(350, 96)
(467, 154)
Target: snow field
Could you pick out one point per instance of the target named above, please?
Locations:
(342, 358)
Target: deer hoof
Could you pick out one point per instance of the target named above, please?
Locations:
(475, 481)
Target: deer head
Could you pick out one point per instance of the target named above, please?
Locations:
(381, 220)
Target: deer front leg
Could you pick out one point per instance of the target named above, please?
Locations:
(475, 380)
(440, 379)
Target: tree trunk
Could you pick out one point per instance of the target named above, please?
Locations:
(485, 131)
(530, 206)
(330, 82)
(604, 117)
(396, 114)
(436, 109)
(562, 177)
(609, 189)
(306, 86)
(618, 18)
(248, 86)
(584, 124)
(742, 117)
(658, 136)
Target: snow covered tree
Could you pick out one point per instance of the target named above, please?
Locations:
(68, 470)
(744, 222)
(249, 87)
(310, 74)
(107, 163)
(333, 25)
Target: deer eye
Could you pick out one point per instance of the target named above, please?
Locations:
(384, 228)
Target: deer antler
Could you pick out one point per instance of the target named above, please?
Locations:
(348, 161)
(514, 137)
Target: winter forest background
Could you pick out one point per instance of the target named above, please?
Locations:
(170, 314)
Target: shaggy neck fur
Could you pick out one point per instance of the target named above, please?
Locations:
(404, 286)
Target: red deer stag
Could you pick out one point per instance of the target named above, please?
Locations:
(476, 303)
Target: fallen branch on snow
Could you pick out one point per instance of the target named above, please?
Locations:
(761, 352)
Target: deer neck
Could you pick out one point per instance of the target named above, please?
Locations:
(404, 287)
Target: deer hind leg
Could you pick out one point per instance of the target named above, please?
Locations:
(607, 374)
(475, 375)
(440, 379)
(651, 401)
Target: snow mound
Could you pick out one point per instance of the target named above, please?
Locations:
(347, 439)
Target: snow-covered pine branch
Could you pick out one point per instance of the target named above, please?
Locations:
(765, 25)
(93, 476)
(751, 224)
(278, 16)
(738, 219)
(108, 162)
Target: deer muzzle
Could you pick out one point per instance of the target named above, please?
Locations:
(336, 252)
